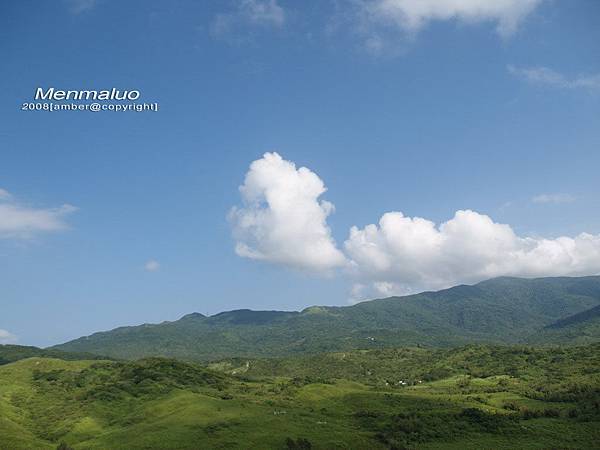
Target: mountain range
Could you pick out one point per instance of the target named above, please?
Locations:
(506, 310)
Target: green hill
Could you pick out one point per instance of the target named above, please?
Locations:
(502, 310)
(386, 367)
(472, 397)
(11, 353)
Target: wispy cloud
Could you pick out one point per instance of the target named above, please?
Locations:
(235, 25)
(80, 6)
(546, 76)
(20, 221)
(413, 15)
(7, 337)
(151, 265)
(385, 24)
(553, 198)
(263, 12)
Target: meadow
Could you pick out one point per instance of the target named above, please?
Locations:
(473, 397)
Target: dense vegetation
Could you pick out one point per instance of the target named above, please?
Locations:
(581, 328)
(478, 396)
(11, 353)
(385, 367)
(504, 310)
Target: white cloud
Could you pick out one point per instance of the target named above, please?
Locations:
(263, 12)
(282, 220)
(248, 14)
(413, 15)
(357, 293)
(403, 254)
(549, 77)
(7, 338)
(553, 198)
(23, 222)
(151, 265)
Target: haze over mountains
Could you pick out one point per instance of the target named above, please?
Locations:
(503, 310)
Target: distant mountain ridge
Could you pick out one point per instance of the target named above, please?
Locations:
(502, 310)
(584, 316)
(579, 329)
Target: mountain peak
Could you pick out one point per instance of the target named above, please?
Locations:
(194, 315)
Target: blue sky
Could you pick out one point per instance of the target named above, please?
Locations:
(392, 108)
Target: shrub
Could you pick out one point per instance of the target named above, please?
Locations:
(298, 444)
(511, 406)
(551, 413)
(63, 446)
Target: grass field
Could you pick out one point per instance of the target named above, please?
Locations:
(551, 402)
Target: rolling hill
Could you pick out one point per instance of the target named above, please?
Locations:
(474, 397)
(502, 310)
(11, 353)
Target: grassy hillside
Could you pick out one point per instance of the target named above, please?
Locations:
(469, 398)
(503, 310)
(385, 367)
(11, 353)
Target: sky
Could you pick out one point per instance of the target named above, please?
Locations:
(304, 153)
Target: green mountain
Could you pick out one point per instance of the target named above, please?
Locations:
(502, 310)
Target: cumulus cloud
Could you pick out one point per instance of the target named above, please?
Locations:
(403, 254)
(284, 222)
(553, 198)
(545, 76)
(23, 222)
(7, 338)
(413, 15)
(151, 265)
(282, 219)
(247, 14)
